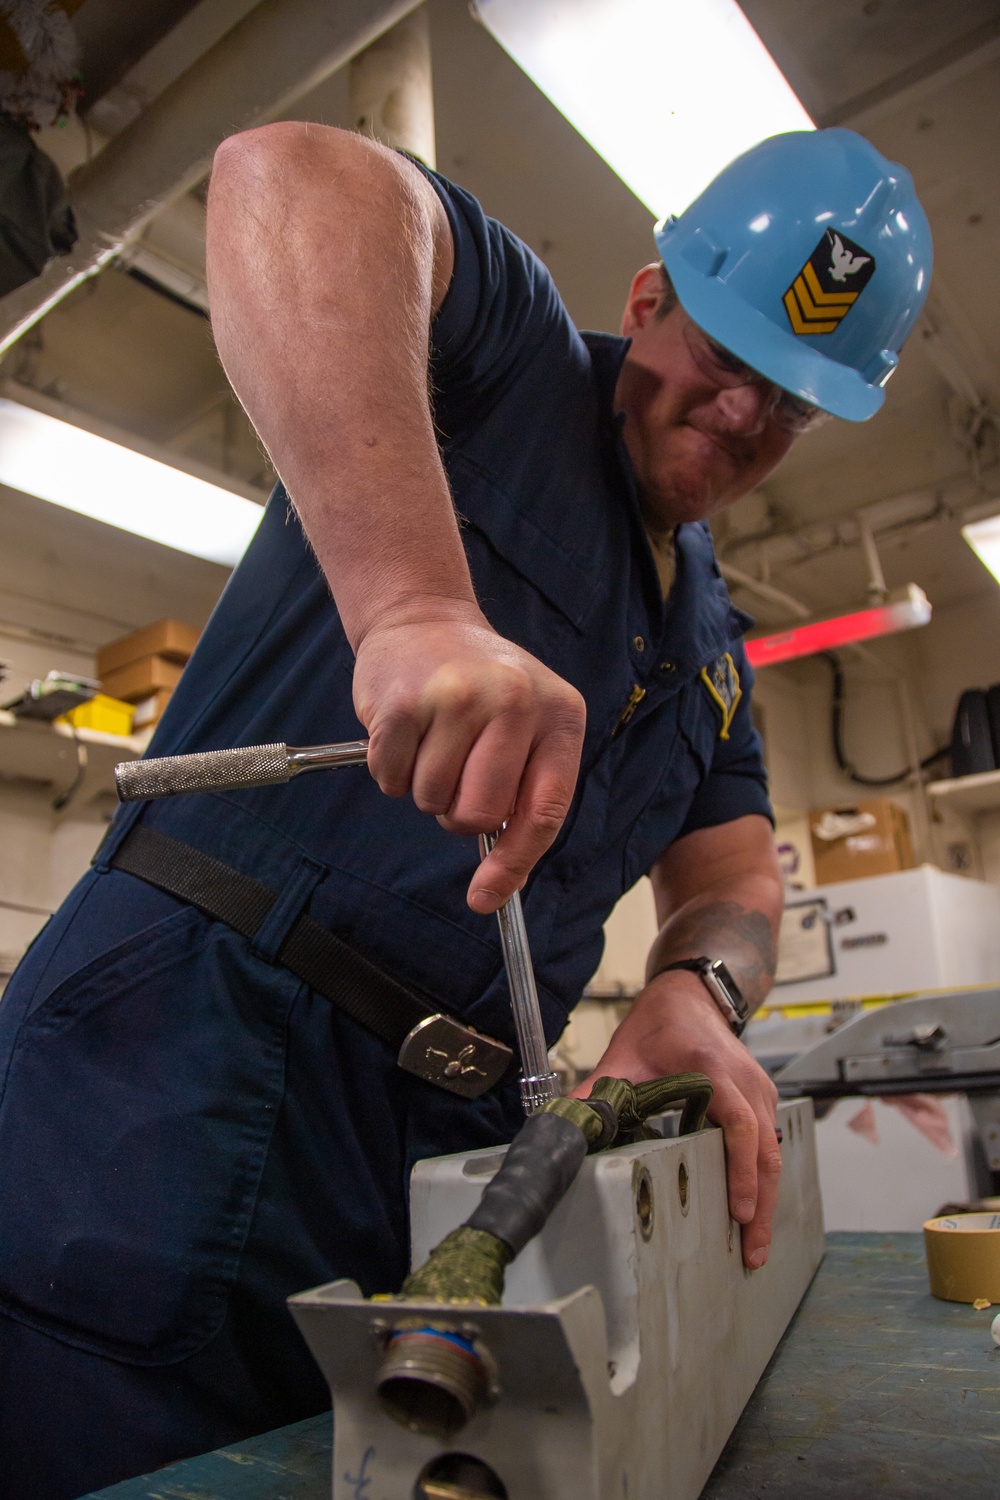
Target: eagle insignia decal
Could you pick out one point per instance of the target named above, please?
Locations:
(829, 284)
(723, 683)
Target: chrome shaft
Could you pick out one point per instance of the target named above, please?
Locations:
(538, 1082)
(328, 757)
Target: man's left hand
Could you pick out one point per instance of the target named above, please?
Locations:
(674, 1026)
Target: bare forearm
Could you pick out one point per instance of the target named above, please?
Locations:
(324, 264)
(719, 893)
(737, 925)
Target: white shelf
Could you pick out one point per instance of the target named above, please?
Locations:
(969, 794)
(46, 755)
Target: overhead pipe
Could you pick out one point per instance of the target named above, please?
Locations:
(877, 590)
(888, 517)
(765, 591)
(282, 50)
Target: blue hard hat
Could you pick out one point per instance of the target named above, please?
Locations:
(809, 258)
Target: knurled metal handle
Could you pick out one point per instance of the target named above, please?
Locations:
(209, 771)
(228, 770)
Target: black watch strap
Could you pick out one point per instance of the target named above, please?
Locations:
(720, 985)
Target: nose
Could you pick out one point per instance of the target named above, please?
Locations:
(746, 409)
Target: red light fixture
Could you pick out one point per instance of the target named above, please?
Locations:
(904, 609)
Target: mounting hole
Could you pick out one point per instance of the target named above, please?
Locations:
(461, 1476)
(644, 1205)
(683, 1186)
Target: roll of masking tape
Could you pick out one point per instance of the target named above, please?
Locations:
(963, 1257)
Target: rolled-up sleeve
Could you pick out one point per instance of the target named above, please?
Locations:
(500, 306)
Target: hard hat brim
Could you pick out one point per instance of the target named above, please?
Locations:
(792, 362)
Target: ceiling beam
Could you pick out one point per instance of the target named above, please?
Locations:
(957, 59)
(280, 51)
(113, 37)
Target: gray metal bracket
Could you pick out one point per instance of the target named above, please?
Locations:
(630, 1338)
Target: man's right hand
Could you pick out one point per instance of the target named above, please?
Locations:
(478, 730)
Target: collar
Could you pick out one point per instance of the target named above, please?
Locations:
(607, 355)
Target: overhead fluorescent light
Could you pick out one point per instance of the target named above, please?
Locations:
(667, 91)
(903, 611)
(43, 455)
(984, 539)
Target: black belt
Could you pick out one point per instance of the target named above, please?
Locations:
(429, 1043)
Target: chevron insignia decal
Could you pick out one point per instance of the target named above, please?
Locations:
(829, 284)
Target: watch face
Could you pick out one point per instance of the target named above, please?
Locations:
(733, 992)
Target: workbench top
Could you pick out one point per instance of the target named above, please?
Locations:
(877, 1388)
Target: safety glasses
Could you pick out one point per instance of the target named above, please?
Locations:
(723, 369)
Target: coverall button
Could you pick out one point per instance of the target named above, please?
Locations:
(639, 643)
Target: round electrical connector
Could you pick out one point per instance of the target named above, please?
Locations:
(431, 1380)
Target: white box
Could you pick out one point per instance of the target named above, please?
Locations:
(898, 934)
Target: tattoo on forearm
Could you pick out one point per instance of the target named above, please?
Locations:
(743, 939)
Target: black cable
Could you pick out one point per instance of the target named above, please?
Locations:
(837, 736)
(66, 797)
(546, 1155)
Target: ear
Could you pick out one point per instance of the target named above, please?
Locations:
(643, 298)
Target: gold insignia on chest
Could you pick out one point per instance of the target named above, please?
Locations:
(723, 683)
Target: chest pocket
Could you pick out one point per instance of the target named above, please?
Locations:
(564, 578)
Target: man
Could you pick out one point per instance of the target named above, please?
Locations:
(199, 1115)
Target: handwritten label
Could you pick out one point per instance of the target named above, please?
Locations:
(360, 1482)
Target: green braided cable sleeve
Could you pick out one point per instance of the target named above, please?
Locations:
(538, 1168)
(695, 1089)
(467, 1266)
(635, 1102)
(579, 1113)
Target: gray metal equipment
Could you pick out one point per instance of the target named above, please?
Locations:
(944, 1042)
(630, 1336)
(629, 1339)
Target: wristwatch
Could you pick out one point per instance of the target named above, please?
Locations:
(720, 985)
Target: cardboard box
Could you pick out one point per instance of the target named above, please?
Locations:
(860, 839)
(170, 639)
(793, 844)
(149, 711)
(141, 678)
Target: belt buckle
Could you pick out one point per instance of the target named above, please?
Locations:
(443, 1051)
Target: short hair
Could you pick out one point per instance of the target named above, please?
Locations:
(668, 298)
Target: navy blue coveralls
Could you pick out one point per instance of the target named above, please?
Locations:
(188, 1134)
